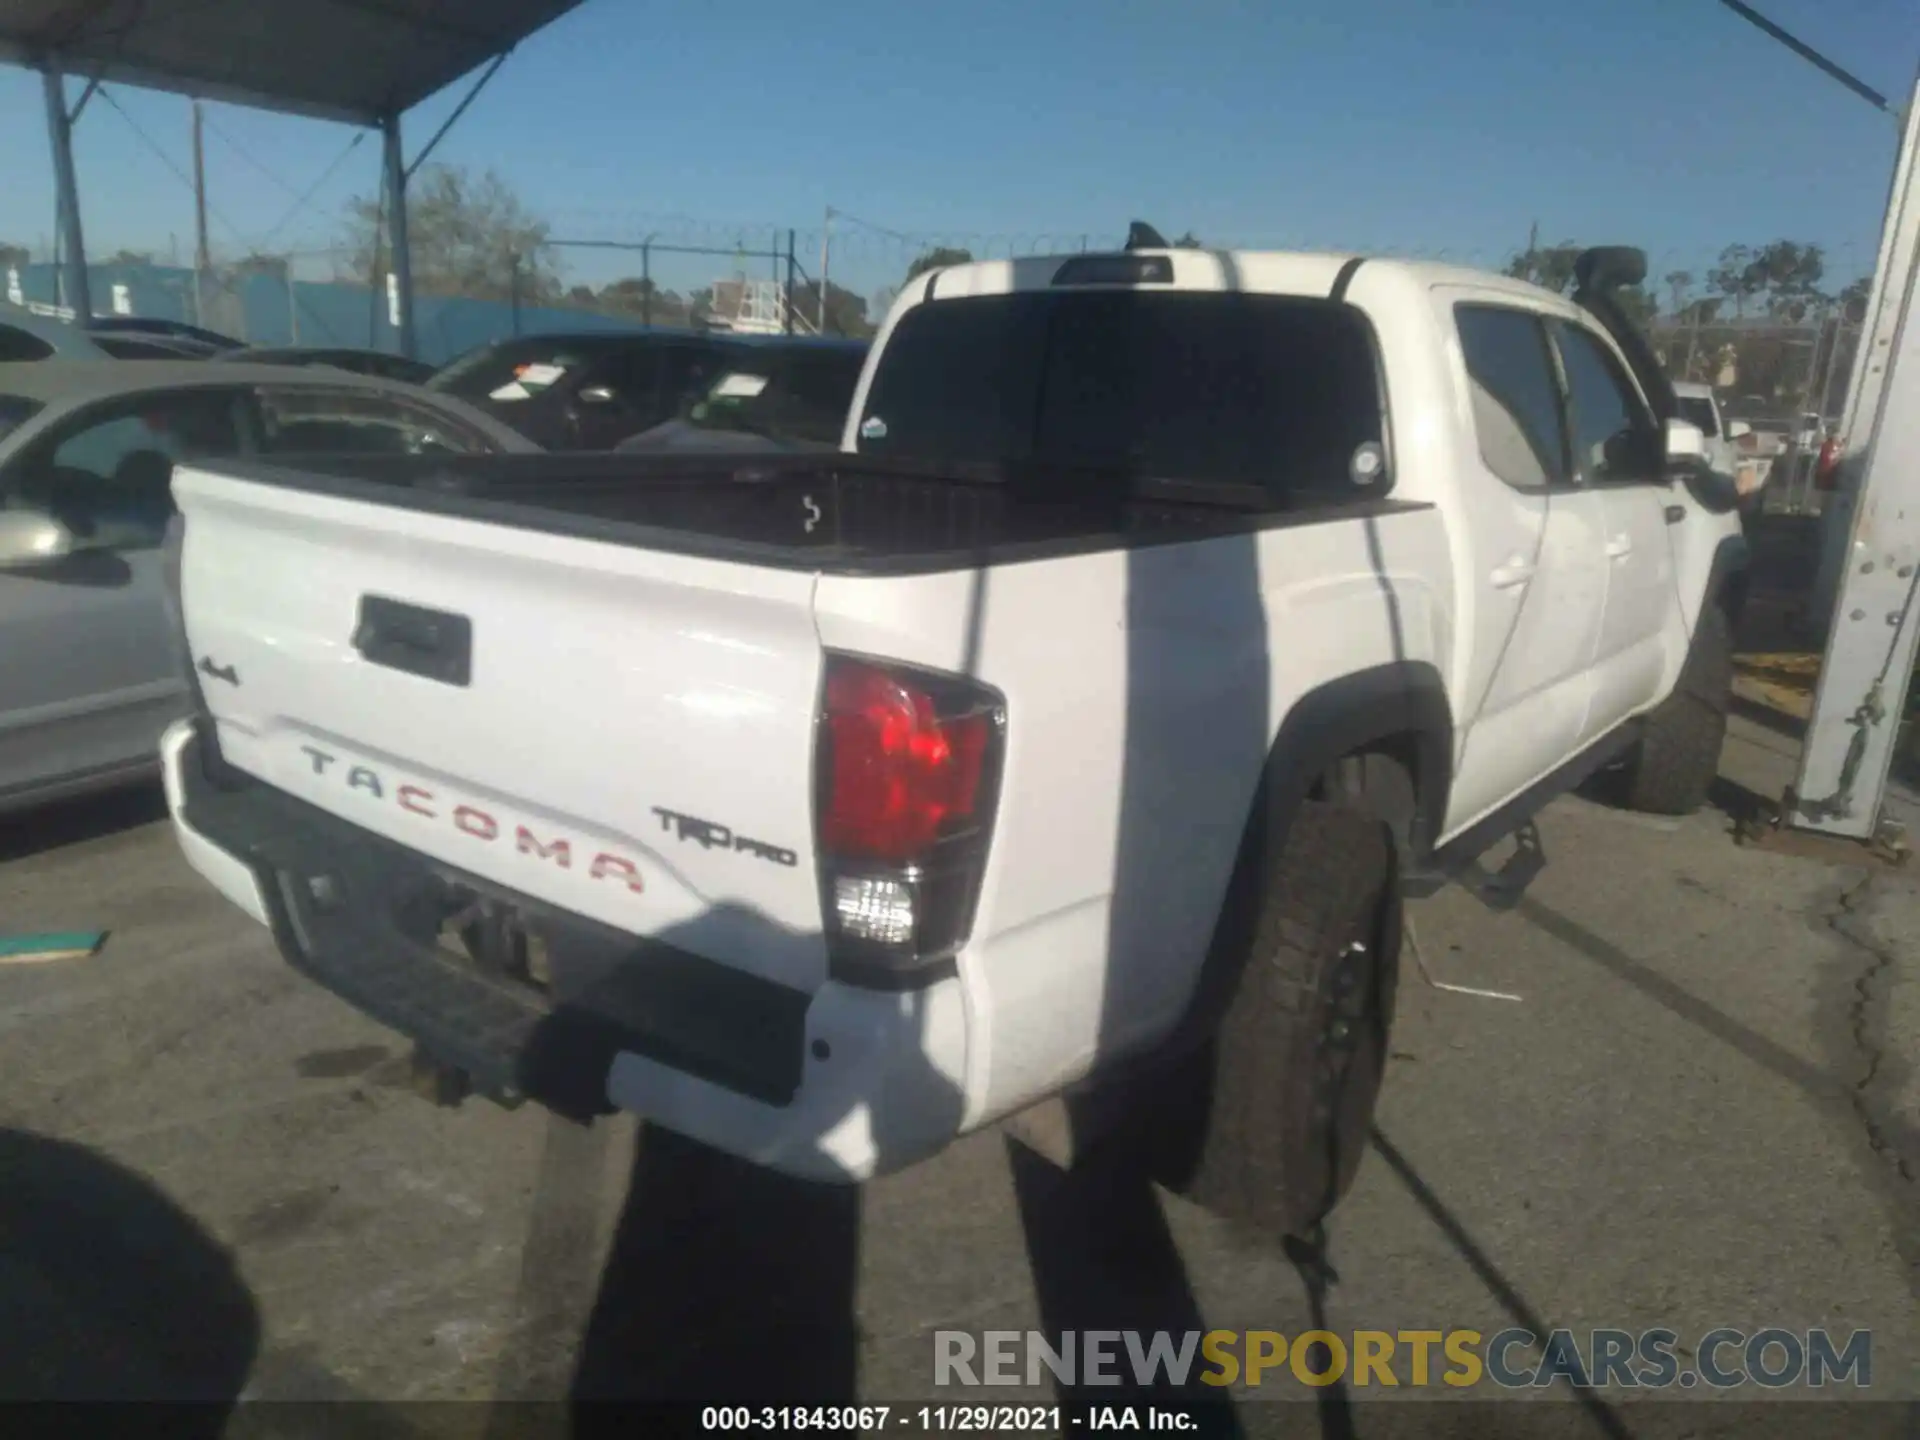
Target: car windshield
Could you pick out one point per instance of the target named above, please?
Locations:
(15, 411)
(506, 373)
(1699, 410)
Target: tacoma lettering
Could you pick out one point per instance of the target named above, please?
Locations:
(478, 824)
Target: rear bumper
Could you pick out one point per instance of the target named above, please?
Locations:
(839, 1084)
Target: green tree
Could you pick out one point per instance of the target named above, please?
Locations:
(1738, 276)
(937, 258)
(1853, 299)
(1188, 241)
(846, 311)
(1679, 283)
(11, 255)
(465, 236)
(1548, 266)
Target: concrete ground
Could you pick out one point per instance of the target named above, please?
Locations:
(1702, 1111)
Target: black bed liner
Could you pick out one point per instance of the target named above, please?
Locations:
(842, 514)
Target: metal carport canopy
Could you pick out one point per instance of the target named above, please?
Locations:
(361, 61)
(355, 60)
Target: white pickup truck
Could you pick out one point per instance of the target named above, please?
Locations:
(1173, 614)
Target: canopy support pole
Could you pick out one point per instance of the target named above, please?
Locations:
(400, 274)
(67, 194)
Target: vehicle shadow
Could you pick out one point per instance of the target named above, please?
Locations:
(109, 1292)
(723, 1279)
(73, 822)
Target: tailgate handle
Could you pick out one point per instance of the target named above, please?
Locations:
(433, 644)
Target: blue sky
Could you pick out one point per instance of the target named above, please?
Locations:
(1398, 125)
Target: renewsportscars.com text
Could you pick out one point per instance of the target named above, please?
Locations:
(1720, 1359)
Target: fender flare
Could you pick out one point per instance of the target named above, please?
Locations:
(1353, 713)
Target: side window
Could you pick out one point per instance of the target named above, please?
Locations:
(321, 422)
(631, 373)
(108, 477)
(19, 345)
(1613, 436)
(686, 371)
(1516, 396)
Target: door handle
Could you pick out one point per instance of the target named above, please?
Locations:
(1517, 571)
(1619, 547)
(1675, 514)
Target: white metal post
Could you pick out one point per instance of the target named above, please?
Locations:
(1861, 697)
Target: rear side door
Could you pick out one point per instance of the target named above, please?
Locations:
(1617, 456)
(1538, 567)
(89, 675)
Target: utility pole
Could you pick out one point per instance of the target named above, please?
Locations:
(202, 258)
(826, 240)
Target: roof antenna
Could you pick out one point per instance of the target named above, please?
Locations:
(1142, 236)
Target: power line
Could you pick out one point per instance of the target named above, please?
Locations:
(312, 190)
(235, 146)
(167, 160)
(869, 225)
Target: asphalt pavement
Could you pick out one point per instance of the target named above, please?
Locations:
(1701, 1110)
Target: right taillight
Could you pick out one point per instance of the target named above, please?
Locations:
(909, 770)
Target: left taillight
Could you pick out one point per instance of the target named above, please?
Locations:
(908, 774)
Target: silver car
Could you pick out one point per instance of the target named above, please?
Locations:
(89, 672)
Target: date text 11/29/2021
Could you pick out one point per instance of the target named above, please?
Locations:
(945, 1419)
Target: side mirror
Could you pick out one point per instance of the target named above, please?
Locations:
(29, 539)
(1686, 447)
(1738, 430)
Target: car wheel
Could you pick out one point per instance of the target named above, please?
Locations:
(1672, 766)
(1267, 1123)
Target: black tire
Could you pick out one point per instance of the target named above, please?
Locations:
(1267, 1124)
(1673, 764)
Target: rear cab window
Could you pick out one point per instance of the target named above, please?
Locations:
(1279, 392)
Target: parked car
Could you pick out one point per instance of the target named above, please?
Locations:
(768, 397)
(158, 328)
(360, 362)
(1699, 404)
(26, 336)
(591, 391)
(1079, 731)
(88, 672)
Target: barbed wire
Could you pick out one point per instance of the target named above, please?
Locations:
(873, 255)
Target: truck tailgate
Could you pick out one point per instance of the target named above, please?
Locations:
(614, 731)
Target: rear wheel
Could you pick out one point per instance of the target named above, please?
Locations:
(1268, 1123)
(1673, 764)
